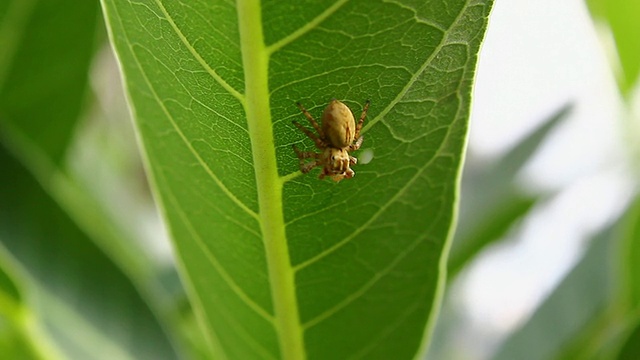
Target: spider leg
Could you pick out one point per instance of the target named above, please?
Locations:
(302, 155)
(311, 120)
(352, 160)
(349, 174)
(305, 154)
(308, 166)
(361, 121)
(320, 144)
(356, 145)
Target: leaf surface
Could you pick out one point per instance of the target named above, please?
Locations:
(280, 265)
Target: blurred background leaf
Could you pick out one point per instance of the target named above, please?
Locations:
(631, 348)
(43, 95)
(48, 49)
(588, 314)
(88, 306)
(579, 300)
(491, 200)
(493, 203)
(630, 257)
(20, 335)
(621, 17)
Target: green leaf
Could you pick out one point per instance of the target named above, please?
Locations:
(491, 201)
(10, 295)
(13, 342)
(573, 312)
(498, 220)
(90, 309)
(631, 348)
(592, 313)
(280, 265)
(622, 18)
(47, 47)
(46, 51)
(630, 255)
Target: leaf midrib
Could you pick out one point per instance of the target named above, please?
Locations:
(255, 60)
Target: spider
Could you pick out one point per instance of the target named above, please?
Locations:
(335, 140)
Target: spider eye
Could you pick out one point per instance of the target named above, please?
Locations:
(333, 157)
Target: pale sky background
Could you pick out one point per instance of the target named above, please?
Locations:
(537, 56)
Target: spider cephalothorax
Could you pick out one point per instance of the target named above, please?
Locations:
(335, 139)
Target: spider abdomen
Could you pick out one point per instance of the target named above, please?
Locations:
(338, 124)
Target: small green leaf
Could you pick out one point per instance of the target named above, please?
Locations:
(281, 265)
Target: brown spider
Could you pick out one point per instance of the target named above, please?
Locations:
(335, 139)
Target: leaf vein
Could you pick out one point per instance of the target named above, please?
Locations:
(338, 70)
(198, 308)
(415, 15)
(443, 42)
(391, 328)
(362, 290)
(227, 279)
(188, 144)
(306, 28)
(199, 241)
(197, 56)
